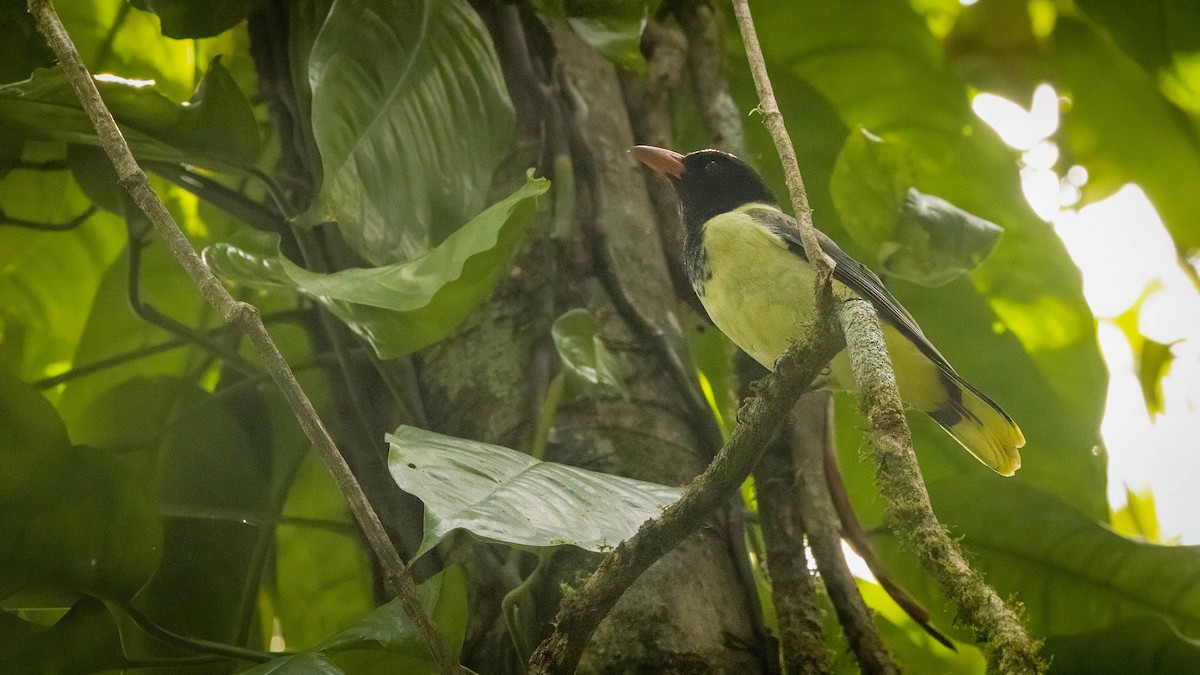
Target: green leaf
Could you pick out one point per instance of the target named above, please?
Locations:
(505, 496)
(1072, 574)
(197, 18)
(1123, 131)
(912, 647)
(389, 628)
(883, 70)
(1138, 519)
(48, 279)
(935, 241)
(581, 350)
(84, 640)
(1146, 644)
(1152, 32)
(870, 180)
(22, 47)
(613, 28)
(917, 237)
(212, 486)
(71, 518)
(401, 307)
(215, 128)
(305, 663)
(1154, 360)
(411, 116)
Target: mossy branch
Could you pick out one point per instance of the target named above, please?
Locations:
(1007, 645)
(244, 317)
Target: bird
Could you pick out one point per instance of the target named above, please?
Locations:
(744, 260)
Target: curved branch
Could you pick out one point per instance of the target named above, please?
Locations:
(1007, 645)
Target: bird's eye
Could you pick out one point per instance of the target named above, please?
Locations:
(710, 166)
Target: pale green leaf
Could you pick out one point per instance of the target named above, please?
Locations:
(404, 306)
(581, 350)
(505, 496)
(411, 116)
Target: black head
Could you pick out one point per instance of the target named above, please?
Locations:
(708, 182)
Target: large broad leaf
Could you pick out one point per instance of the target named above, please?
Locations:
(84, 640)
(212, 487)
(881, 68)
(215, 128)
(1073, 576)
(411, 117)
(400, 307)
(48, 279)
(506, 496)
(1144, 645)
(305, 663)
(918, 237)
(1157, 34)
(72, 518)
(197, 18)
(1122, 130)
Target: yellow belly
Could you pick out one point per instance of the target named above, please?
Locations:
(760, 294)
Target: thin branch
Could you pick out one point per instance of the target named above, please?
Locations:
(582, 610)
(245, 317)
(773, 120)
(809, 443)
(1007, 645)
(194, 645)
(801, 636)
(854, 535)
(155, 318)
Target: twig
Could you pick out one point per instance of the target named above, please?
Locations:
(246, 318)
(801, 637)
(1007, 645)
(773, 120)
(194, 645)
(582, 611)
(824, 539)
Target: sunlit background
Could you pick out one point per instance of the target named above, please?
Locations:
(1144, 302)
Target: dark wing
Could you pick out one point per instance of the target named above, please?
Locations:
(859, 278)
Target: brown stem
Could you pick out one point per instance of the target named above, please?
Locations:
(1007, 645)
(809, 443)
(801, 638)
(243, 316)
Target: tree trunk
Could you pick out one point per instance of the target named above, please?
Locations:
(690, 612)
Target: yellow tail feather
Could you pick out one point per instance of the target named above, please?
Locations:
(981, 427)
